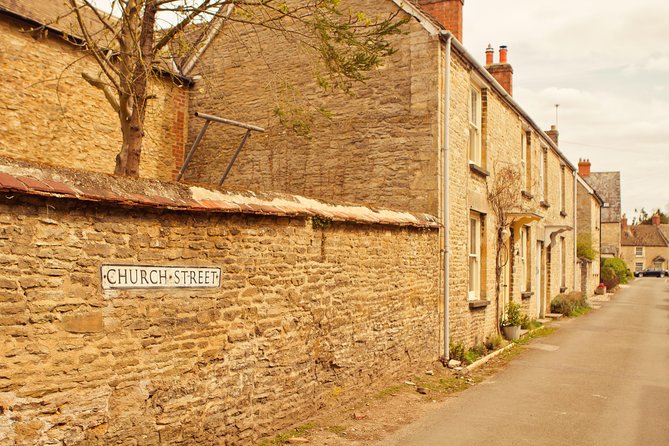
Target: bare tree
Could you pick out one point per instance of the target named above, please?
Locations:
(504, 197)
(129, 48)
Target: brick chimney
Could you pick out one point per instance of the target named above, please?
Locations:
(447, 12)
(502, 71)
(584, 167)
(623, 222)
(656, 219)
(553, 134)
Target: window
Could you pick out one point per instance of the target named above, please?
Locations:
(638, 266)
(475, 125)
(474, 256)
(526, 270)
(543, 184)
(562, 188)
(527, 160)
(639, 251)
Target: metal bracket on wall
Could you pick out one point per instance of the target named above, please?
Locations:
(208, 119)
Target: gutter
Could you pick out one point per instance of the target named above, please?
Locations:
(445, 191)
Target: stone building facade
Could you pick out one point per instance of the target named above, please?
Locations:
(51, 115)
(607, 185)
(402, 141)
(588, 233)
(644, 246)
(316, 303)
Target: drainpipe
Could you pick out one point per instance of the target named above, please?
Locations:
(445, 204)
(573, 174)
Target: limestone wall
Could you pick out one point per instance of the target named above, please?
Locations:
(50, 114)
(377, 145)
(305, 315)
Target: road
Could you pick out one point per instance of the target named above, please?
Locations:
(601, 379)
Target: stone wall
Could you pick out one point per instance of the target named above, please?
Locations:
(589, 224)
(628, 254)
(50, 114)
(306, 314)
(377, 145)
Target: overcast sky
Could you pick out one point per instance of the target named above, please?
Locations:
(606, 62)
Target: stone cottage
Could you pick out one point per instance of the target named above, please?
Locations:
(645, 246)
(607, 185)
(431, 131)
(589, 228)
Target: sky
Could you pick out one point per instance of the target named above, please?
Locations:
(606, 63)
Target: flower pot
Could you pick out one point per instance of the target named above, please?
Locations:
(511, 332)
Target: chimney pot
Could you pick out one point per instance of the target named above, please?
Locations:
(503, 50)
(489, 53)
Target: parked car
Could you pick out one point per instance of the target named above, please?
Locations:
(652, 272)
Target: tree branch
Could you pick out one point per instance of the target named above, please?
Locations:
(106, 89)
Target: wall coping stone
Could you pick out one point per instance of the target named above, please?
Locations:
(43, 180)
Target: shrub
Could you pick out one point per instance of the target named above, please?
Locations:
(620, 268)
(457, 351)
(609, 277)
(513, 315)
(493, 342)
(569, 304)
(585, 248)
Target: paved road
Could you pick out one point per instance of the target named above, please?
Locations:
(602, 379)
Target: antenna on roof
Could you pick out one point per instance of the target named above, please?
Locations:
(557, 106)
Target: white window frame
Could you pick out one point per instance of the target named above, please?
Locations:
(638, 251)
(523, 159)
(475, 112)
(474, 254)
(638, 266)
(563, 187)
(542, 173)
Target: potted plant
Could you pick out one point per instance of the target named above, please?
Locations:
(512, 321)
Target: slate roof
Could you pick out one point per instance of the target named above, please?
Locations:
(42, 180)
(643, 235)
(607, 185)
(54, 14)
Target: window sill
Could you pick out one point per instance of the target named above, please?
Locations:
(563, 213)
(480, 171)
(527, 294)
(527, 195)
(544, 204)
(476, 304)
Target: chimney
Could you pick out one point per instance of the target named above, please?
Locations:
(553, 134)
(502, 71)
(623, 222)
(447, 12)
(656, 219)
(584, 168)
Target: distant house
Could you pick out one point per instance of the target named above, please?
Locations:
(607, 185)
(589, 228)
(645, 246)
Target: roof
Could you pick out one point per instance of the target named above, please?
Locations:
(607, 185)
(643, 235)
(38, 179)
(55, 15)
(664, 228)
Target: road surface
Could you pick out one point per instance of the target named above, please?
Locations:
(601, 379)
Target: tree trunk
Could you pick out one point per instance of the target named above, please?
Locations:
(132, 121)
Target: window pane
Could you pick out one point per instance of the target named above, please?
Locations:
(472, 236)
